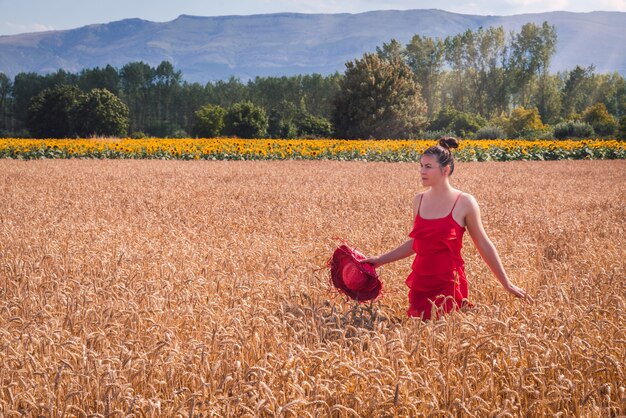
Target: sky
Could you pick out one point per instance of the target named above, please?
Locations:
(20, 16)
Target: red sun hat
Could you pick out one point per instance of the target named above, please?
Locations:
(352, 277)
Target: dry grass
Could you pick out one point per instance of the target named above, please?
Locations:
(151, 288)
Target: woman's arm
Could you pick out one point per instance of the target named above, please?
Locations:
(402, 251)
(398, 253)
(487, 250)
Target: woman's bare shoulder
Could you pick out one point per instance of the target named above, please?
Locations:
(467, 203)
(466, 198)
(417, 197)
(416, 201)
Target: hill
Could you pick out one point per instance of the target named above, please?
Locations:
(213, 48)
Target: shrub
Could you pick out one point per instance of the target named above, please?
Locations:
(490, 132)
(573, 129)
(604, 124)
(179, 133)
(310, 126)
(163, 129)
(209, 121)
(246, 120)
(282, 129)
(462, 124)
(546, 134)
(138, 135)
(524, 123)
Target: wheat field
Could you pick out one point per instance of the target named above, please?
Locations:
(200, 289)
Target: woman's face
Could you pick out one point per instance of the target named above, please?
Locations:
(431, 171)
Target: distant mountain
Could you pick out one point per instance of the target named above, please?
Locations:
(213, 48)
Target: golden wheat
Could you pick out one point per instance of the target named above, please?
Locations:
(169, 288)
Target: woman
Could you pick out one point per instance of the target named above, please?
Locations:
(437, 282)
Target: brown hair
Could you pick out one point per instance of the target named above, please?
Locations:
(442, 151)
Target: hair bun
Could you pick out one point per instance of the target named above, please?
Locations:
(449, 142)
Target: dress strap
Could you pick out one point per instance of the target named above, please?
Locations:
(457, 199)
(419, 205)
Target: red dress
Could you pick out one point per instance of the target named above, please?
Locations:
(437, 280)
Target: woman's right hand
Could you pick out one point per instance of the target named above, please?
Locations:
(374, 261)
(402, 251)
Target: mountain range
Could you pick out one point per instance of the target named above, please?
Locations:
(215, 48)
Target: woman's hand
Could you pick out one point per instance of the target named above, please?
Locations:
(402, 251)
(374, 261)
(519, 292)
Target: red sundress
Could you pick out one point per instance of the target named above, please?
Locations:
(437, 283)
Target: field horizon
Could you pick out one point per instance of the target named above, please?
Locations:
(200, 288)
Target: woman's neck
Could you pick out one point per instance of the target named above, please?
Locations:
(441, 188)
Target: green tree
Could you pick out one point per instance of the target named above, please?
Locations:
(281, 120)
(190, 98)
(227, 93)
(610, 89)
(425, 57)
(101, 113)
(391, 51)
(476, 82)
(457, 90)
(621, 132)
(136, 80)
(491, 88)
(50, 114)
(273, 92)
(547, 96)
(378, 99)
(100, 78)
(577, 92)
(600, 119)
(531, 52)
(167, 84)
(245, 120)
(308, 93)
(25, 87)
(5, 103)
(209, 121)
(318, 93)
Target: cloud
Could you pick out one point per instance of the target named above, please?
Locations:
(15, 28)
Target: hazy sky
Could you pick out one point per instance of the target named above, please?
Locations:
(19, 16)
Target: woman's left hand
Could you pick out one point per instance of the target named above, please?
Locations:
(520, 293)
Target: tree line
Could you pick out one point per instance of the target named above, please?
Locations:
(480, 83)
(158, 101)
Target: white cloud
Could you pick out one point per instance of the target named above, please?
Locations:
(15, 28)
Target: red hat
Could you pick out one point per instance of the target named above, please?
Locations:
(349, 275)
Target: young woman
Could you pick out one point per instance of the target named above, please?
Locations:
(437, 282)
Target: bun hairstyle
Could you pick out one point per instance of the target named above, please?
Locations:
(442, 152)
(449, 142)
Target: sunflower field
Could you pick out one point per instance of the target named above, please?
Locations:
(306, 149)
